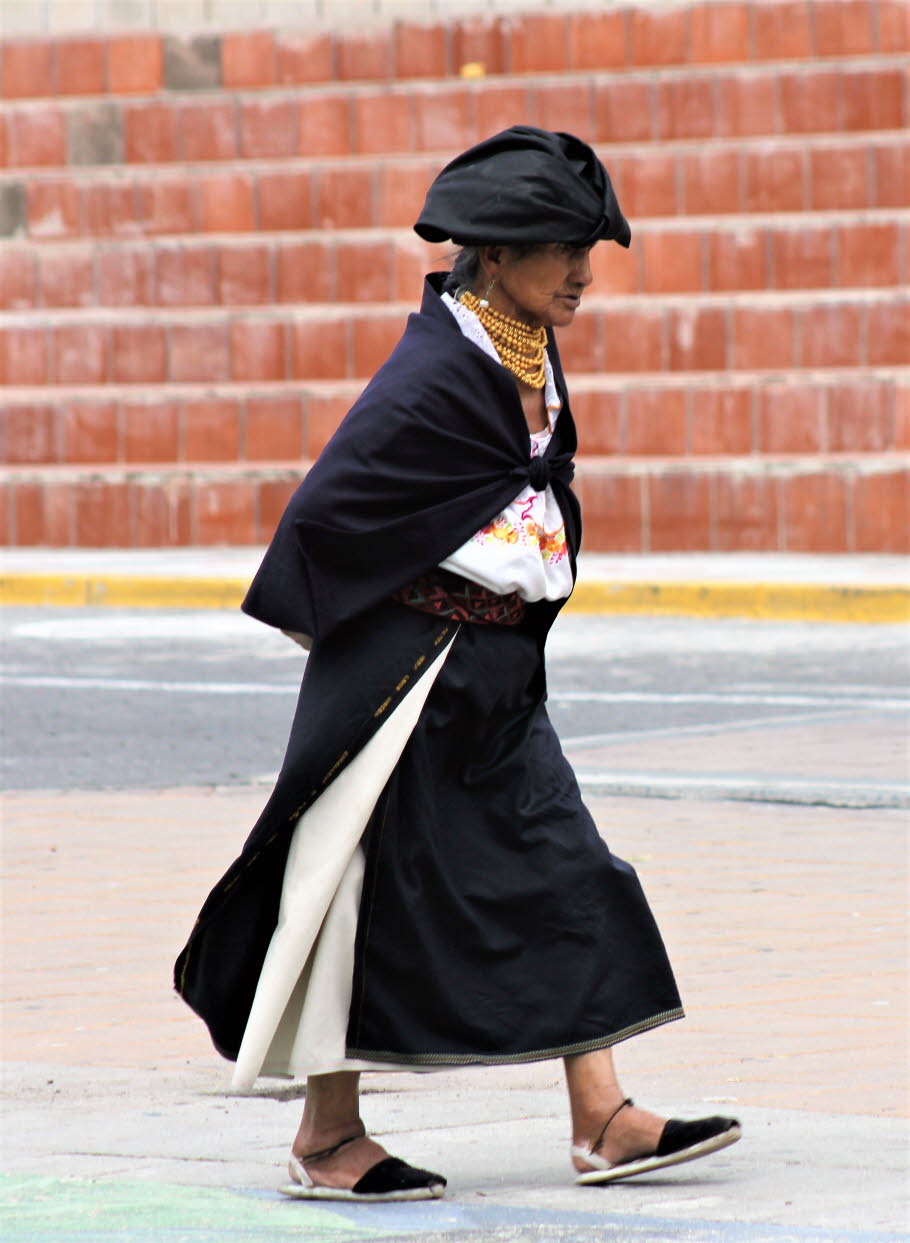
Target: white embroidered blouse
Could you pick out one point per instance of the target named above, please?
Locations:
(524, 548)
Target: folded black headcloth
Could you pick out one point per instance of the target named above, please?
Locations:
(524, 185)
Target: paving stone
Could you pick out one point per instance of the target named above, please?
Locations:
(776, 920)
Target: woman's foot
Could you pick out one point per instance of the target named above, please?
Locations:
(332, 1157)
(336, 1158)
(357, 1168)
(621, 1134)
(628, 1152)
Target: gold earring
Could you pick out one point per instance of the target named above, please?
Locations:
(485, 300)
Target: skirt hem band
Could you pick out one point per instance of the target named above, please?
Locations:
(502, 1059)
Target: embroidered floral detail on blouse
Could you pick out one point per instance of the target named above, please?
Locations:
(551, 545)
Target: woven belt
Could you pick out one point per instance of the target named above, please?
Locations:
(447, 595)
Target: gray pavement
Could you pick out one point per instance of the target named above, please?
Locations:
(639, 702)
(785, 919)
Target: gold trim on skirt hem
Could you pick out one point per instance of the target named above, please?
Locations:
(443, 1060)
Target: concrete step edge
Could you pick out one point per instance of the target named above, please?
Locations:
(404, 236)
(434, 160)
(754, 465)
(777, 465)
(355, 88)
(578, 382)
(327, 312)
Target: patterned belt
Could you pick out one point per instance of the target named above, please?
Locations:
(447, 595)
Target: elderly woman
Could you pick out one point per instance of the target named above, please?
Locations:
(425, 887)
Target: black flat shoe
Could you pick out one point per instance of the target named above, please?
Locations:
(679, 1142)
(389, 1179)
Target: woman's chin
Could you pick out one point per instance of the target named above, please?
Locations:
(563, 314)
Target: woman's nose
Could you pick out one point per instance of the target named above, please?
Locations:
(581, 271)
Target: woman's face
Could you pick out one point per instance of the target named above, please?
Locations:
(542, 288)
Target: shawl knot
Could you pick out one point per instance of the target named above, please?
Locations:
(541, 472)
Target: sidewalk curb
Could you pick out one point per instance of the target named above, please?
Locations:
(775, 601)
(137, 591)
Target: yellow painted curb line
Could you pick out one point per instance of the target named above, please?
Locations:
(122, 591)
(769, 601)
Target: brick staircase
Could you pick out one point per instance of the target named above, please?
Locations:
(207, 250)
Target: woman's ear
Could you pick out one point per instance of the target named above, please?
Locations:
(491, 260)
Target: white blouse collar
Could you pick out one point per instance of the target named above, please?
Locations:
(474, 330)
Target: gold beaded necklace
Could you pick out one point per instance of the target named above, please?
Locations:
(520, 348)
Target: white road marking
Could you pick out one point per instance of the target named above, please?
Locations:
(730, 697)
(813, 688)
(725, 698)
(148, 625)
(703, 727)
(574, 636)
(41, 682)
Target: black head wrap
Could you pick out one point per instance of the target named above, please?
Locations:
(524, 185)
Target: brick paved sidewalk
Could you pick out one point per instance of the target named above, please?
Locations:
(784, 925)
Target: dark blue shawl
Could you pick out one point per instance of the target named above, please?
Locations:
(435, 447)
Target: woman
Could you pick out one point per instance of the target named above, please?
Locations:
(425, 887)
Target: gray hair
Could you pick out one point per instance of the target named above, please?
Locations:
(466, 267)
(465, 270)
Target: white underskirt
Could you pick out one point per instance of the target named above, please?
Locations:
(299, 1018)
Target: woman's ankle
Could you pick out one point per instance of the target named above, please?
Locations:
(317, 1136)
(340, 1167)
(631, 1132)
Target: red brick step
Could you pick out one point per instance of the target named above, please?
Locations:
(807, 173)
(823, 504)
(788, 505)
(680, 414)
(208, 251)
(628, 37)
(761, 252)
(683, 332)
(775, 100)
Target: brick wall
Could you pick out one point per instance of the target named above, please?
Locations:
(205, 250)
